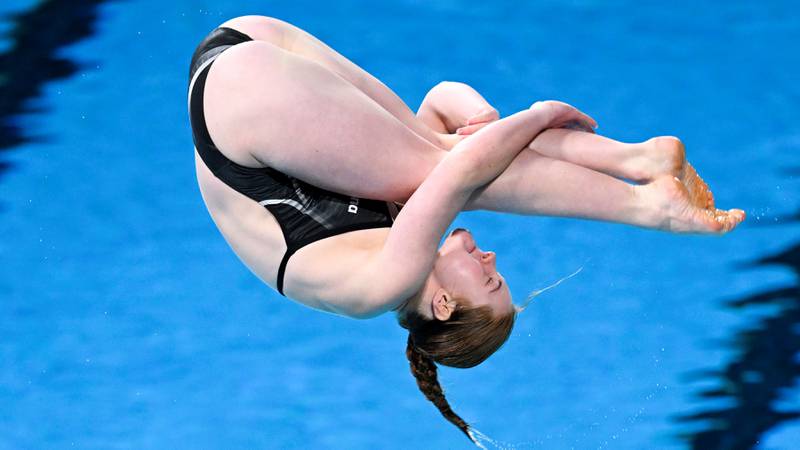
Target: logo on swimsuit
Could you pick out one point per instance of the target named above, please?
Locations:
(353, 208)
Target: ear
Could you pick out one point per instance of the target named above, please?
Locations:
(442, 305)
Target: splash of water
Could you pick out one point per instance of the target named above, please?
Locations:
(536, 293)
(479, 439)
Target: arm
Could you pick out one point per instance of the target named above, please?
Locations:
(409, 253)
(450, 104)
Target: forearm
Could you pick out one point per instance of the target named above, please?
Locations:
(489, 151)
(537, 185)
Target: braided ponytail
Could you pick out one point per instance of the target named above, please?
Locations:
(424, 370)
(465, 340)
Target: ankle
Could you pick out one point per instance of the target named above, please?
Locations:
(639, 162)
(648, 209)
(655, 157)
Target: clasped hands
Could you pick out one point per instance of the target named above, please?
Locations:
(562, 116)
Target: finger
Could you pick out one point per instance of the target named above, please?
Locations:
(473, 121)
(578, 126)
(581, 122)
(587, 119)
(469, 129)
(483, 116)
(564, 112)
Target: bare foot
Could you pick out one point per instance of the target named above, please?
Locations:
(662, 155)
(681, 211)
(669, 158)
(699, 192)
(666, 155)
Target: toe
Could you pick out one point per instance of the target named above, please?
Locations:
(739, 214)
(726, 221)
(715, 221)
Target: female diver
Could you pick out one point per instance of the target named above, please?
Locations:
(332, 191)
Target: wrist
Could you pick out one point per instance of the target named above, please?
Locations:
(448, 141)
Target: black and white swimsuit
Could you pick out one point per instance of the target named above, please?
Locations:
(305, 212)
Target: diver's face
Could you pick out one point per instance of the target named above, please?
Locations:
(465, 271)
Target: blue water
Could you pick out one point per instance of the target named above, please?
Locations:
(127, 322)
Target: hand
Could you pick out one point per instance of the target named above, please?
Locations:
(578, 126)
(479, 120)
(562, 115)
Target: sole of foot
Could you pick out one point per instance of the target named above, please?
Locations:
(681, 211)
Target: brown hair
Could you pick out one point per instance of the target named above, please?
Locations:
(465, 340)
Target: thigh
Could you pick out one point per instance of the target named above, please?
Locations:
(302, 43)
(295, 115)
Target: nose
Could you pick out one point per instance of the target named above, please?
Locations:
(457, 230)
(488, 257)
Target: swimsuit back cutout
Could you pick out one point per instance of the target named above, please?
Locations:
(306, 213)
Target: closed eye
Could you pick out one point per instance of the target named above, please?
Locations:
(499, 285)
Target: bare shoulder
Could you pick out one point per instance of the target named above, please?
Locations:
(324, 275)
